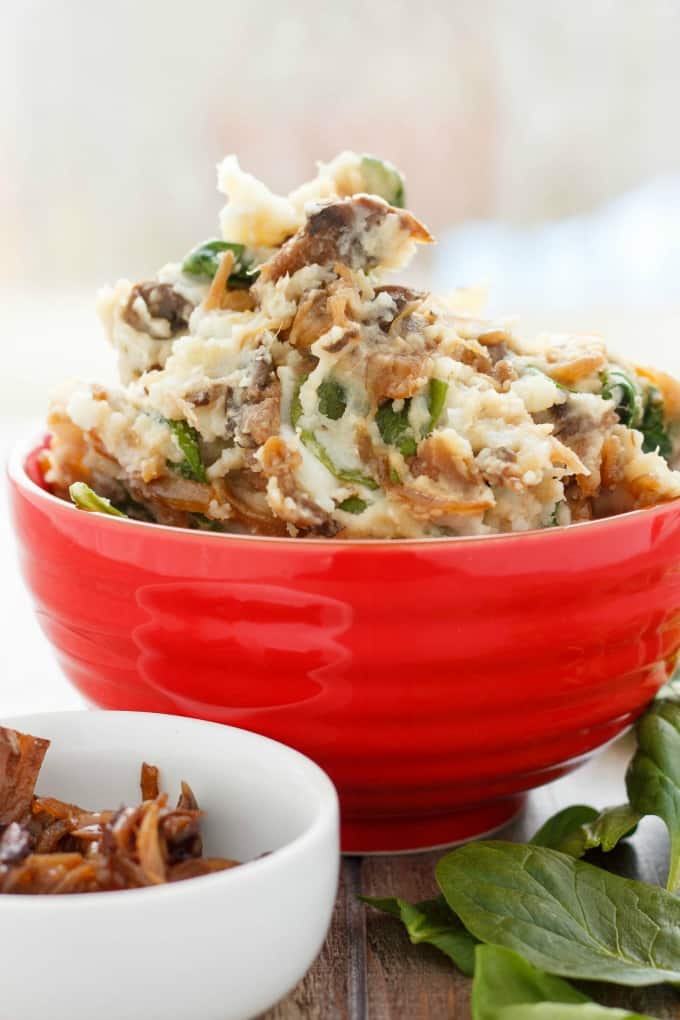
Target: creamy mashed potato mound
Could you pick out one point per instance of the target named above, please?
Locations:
(273, 383)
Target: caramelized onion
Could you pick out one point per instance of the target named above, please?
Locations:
(48, 846)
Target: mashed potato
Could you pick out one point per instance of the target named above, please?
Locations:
(273, 383)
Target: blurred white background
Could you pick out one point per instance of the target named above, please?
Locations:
(516, 124)
(539, 140)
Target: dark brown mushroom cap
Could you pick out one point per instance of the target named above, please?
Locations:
(338, 231)
(162, 303)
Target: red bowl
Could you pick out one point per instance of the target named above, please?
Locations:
(436, 680)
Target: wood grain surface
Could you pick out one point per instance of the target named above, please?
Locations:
(368, 969)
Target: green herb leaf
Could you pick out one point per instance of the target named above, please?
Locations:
(332, 399)
(506, 987)
(653, 425)
(617, 386)
(554, 516)
(353, 505)
(320, 451)
(205, 260)
(344, 474)
(187, 439)
(653, 776)
(395, 429)
(202, 523)
(432, 921)
(296, 403)
(580, 828)
(436, 401)
(87, 499)
(382, 178)
(408, 447)
(563, 915)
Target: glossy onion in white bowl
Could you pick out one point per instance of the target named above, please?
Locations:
(222, 947)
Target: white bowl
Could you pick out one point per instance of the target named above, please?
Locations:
(222, 947)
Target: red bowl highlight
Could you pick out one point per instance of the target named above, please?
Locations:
(434, 680)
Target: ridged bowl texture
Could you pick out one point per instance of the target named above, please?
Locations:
(436, 681)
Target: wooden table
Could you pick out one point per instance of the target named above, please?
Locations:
(368, 969)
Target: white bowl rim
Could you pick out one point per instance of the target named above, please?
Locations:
(326, 815)
(24, 447)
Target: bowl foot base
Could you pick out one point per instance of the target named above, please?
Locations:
(413, 835)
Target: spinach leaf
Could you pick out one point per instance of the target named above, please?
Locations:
(205, 260)
(563, 915)
(653, 425)
(322, 454)
(432, 921)
(653, 776)
(580, 828)
(187, 439)
(395, 429)
(383, 179)
(332, 399)
(506, 987)
(560, 1011)
(566, 1011)
(646, 415)
(87, 499)
(202, 523)
(394, 426)
(561, 825)
(436, 400)
(617, 386)
(353, 505)
(320, 451)
(296, 403)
